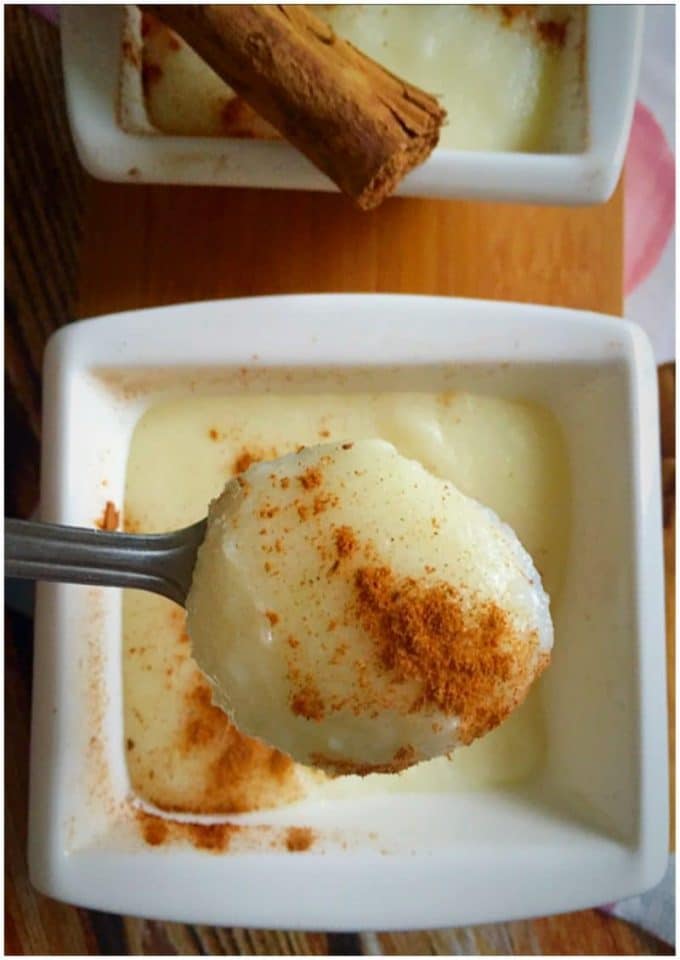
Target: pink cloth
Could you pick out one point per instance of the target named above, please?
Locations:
(649, 198)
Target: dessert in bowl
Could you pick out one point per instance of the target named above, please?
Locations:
(545, 120)
(509, 454)
(510, 78)
(133, 768)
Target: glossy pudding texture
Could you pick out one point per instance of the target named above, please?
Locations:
(510, 77)
(359, 613)
(183, 752)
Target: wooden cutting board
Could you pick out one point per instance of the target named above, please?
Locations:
(146, 246)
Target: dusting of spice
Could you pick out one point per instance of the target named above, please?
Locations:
(464, 659)
(552, 32)
(345, 541)
(237, 773)
(110, 517)
(338, 767)
(299, 839)
(154, 829)
(306, 700)
(213, 434)
(244, 460)
(131, 524)
(340, 651)
(323, 501)
(311, 478)
(213, 837)
(509, 11)
(236, 118)
(272, 617)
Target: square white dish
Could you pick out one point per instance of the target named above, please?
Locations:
(588, 827)
(91, 43)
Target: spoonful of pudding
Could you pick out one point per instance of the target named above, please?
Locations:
(347, 607)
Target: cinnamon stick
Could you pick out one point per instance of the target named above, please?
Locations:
(358, 123)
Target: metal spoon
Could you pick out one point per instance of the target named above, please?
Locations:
(162, 563)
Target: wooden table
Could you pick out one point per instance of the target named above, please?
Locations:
(143, 246)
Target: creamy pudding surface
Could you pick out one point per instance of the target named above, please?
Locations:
(511, 77)
(361, 614)
(183, 752)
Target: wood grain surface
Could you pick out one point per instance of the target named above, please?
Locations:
(155, 245)
(151, 245)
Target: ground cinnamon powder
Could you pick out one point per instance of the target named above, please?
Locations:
(244, 460)
(552, 32)
(466, 658)
(324, 501)
(299, 839)
(233, 773)
(306, 700)
(312, 477)
(157, 831)
(235, 765)
(345, 541)
(217, 837)
(336, 767)
(110, 518)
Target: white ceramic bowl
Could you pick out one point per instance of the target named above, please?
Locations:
(590, 826)
(91, 54)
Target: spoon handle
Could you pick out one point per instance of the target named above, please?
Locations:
(161, 563)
